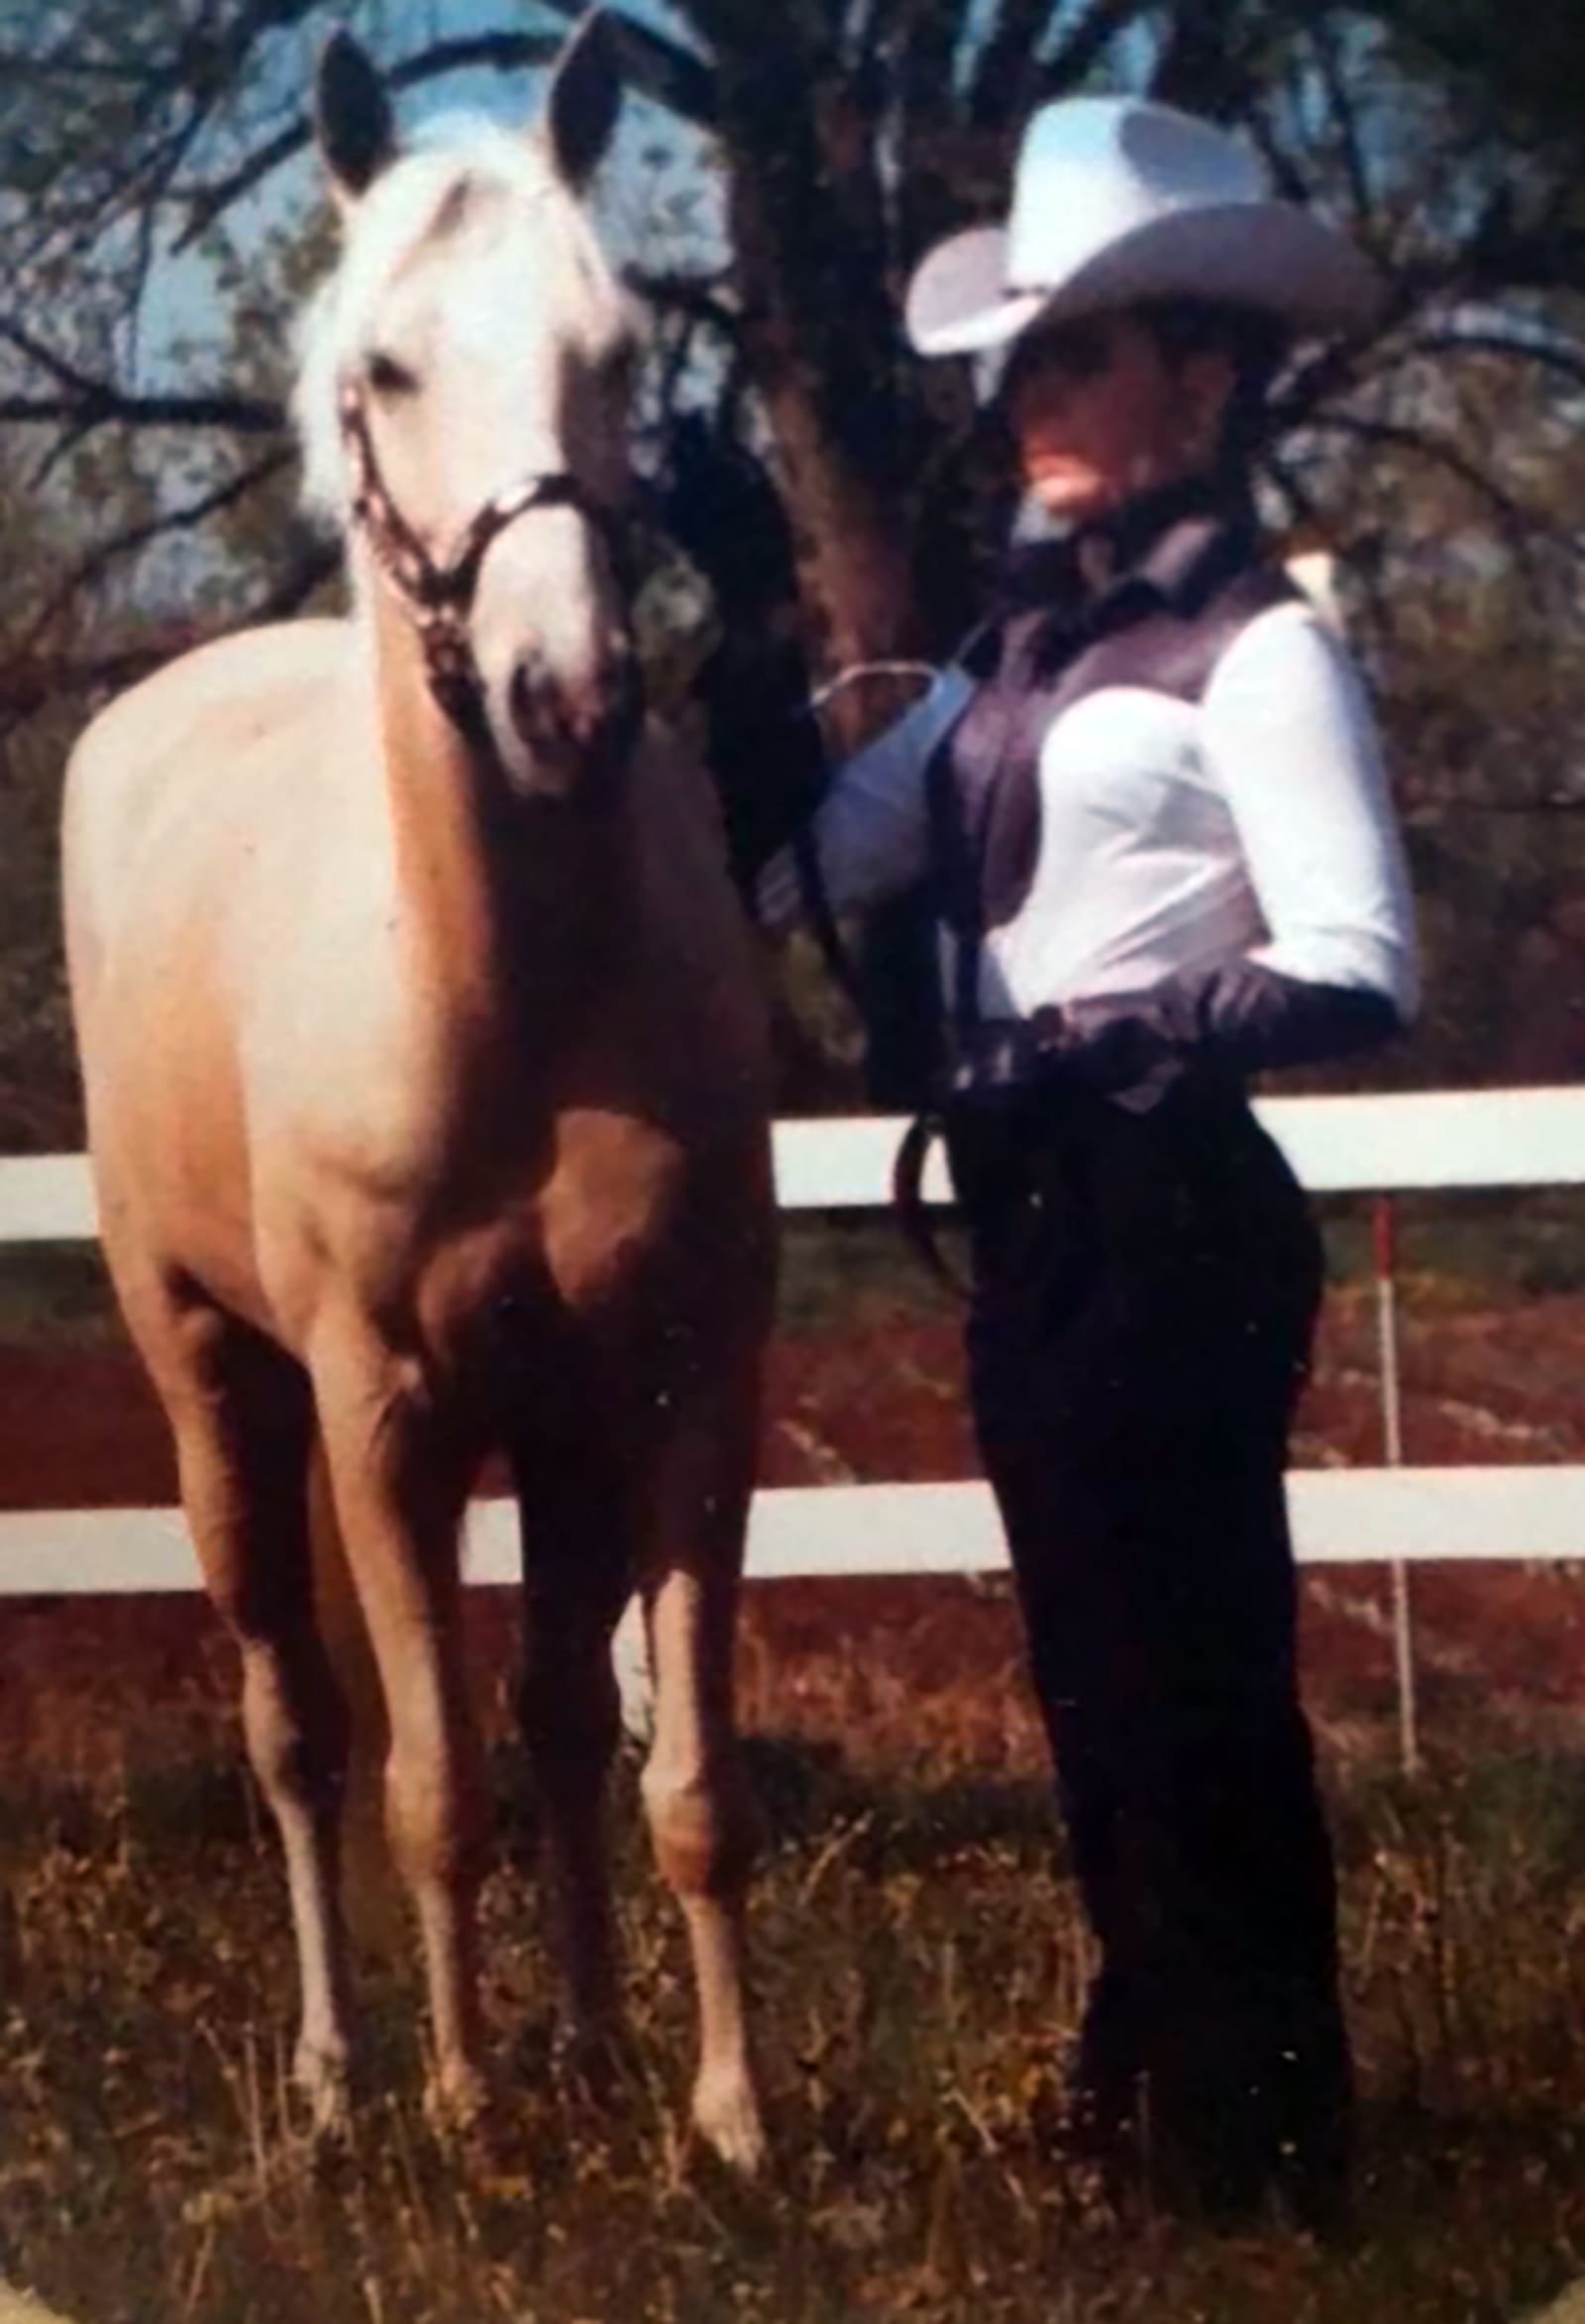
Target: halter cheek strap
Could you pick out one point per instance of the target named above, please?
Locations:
(438, 599)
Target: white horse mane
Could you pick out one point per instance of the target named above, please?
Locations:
(452, 156)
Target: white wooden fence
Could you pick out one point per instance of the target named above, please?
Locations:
(1383, 1145)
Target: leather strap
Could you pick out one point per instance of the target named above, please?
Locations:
(907, 1200)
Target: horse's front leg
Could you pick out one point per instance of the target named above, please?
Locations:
(692, 1513)
(400, 1479)
(241, 1414)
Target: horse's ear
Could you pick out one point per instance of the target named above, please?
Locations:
(356, 127)
(586, 96)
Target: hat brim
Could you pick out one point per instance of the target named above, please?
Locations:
(1270, 255)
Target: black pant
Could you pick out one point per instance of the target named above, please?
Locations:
(1146, 1288)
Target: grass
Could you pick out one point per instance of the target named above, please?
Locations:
(919, 1964)
(57, 1295)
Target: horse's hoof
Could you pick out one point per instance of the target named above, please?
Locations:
(321, 2078)
(726, 2117)
(457, 2101)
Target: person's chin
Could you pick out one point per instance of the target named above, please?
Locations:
(1068, 496)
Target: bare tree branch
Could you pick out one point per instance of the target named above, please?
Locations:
(85, 403)
(67, 65)
(932, 151)
(506, 52)
(207, 63)
(1340, 102)
(1548, 258)
(28, 682)
(1083, 48)
(189, 516)
(1522, 523)
(1203, 63)
(47, 358)
(1005, 70)
(1550, 354)
(211, 60)
(658, 68)
(316, 559)
(98, 405)
(699, 296)
(1301, 502)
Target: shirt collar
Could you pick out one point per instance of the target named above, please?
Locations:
(1168, 545)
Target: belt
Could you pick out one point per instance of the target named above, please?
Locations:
(996, 1057)
(1005, 1052)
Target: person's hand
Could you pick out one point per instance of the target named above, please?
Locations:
(1010, 1063)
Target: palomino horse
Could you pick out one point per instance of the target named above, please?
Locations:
(427, 1086)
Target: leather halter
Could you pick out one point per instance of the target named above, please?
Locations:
(438, 598)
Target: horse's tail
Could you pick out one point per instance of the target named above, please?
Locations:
(370, 1895)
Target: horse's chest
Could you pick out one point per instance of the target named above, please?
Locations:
(613, 1206)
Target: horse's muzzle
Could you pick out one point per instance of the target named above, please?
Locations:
(578, 737)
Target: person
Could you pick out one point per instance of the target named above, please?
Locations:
(1151, 798)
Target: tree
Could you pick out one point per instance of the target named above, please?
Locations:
(849, 136)
(789, 168)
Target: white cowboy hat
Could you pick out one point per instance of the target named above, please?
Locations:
(1117, 200)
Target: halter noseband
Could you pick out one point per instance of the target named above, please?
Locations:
(438, 599)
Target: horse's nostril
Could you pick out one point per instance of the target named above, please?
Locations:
(524, 694)
(593, 721)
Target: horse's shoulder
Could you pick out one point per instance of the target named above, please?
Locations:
(235, 672)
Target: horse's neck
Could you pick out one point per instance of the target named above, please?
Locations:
(510, 913)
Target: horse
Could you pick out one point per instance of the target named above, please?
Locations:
(423, 1045)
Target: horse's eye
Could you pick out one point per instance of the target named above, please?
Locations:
(388, 376)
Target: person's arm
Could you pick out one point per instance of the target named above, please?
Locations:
(1289, 737)
(871, 836)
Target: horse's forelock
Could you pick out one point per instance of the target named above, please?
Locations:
(426, 194)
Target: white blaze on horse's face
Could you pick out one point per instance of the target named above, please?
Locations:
(488, 345)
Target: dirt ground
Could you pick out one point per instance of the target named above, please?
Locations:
(884, 1668)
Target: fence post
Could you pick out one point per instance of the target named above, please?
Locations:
(1392, 1422)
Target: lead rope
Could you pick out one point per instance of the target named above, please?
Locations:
(914, 1148)
(907, 1200)
(812, 892)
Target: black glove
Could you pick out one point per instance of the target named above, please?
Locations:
(1235, 1019)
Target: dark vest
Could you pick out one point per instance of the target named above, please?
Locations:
(1164, 622)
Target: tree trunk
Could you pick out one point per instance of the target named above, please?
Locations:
(809, 234)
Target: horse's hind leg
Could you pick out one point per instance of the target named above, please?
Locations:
(242, 1423)
(694, 1509)
(576, 1575)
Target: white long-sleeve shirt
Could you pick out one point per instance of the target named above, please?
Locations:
(1172, 833)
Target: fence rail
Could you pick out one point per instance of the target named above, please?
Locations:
(1423, 1140)
(1403, 1514)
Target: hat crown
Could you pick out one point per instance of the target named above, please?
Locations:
(1094, 169)
(1117, 201)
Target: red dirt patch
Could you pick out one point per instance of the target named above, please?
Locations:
(887, 1667)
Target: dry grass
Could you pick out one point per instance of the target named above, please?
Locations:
(917, 1952)
(919, 1964)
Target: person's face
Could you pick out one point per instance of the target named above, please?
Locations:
(1099, 414)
